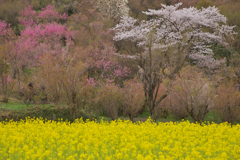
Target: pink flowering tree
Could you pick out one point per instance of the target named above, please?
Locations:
(6, 32)
(29, 17)
(49, 14)
(110, 69)
(171, 38)
(42, 33)
(95, 46)
(97, 49)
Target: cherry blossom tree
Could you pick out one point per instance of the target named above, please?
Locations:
(170, 39)
(111, 9)
(109, 67)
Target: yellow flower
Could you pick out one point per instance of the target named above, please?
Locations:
(36, 139)
(148, 157)
(140, 157)
(70, 158)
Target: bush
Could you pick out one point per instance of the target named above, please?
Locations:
(227, 102)
(192, 92)
(133, 94)
(172, 107)
(108, 99)
(86, 96)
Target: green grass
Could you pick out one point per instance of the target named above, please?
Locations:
(103, 118)
(17, 105)
(144, 115)
(211, 117)
(12, 106)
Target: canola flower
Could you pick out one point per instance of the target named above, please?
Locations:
(118, 140)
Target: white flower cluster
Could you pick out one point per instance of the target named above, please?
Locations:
(111, 8)
(194, 29)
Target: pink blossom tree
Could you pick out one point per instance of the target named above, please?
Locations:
(171, 38)
(41, 33)
(29, 17)
(49, 14)
(6, 32)
(110, 69)
(96, 47)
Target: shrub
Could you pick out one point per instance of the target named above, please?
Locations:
(193, 92)
(133, 98)
(109, 97)
(227, 102)
(85, 99)
(170, 106)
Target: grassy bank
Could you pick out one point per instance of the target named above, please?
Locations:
(17, 110)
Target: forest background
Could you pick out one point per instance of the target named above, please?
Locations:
(59, 60)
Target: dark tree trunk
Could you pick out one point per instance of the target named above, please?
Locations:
(131, 117)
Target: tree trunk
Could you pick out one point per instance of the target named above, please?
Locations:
(18, 78)
(4, 89)
(152, 105)
(131, 117)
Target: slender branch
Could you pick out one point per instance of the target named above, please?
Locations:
(160, 99)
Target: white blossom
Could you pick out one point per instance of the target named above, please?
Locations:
(111, 8)
(194, 29)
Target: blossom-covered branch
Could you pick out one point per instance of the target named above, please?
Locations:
(171, 38)
(190, 29)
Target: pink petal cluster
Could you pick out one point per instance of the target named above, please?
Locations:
(3, 26)
(9, 79)
(29, 17)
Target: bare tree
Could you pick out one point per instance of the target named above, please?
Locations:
(192, 91)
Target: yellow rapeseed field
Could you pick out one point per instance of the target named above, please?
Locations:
(38, 139)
